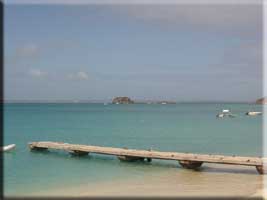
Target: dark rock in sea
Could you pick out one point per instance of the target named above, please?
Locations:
(262, 101)
(122, 100)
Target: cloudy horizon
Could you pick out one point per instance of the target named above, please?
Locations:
(174, 52)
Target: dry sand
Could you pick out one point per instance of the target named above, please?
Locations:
(212, 181)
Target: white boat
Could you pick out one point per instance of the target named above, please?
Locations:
(8, 147)
(225, 113)
(253, 113)
(220, 115)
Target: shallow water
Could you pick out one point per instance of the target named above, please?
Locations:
(181, 127)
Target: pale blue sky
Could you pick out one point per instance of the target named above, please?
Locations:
(174, 52)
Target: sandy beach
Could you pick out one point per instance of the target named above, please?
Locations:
(212, 181)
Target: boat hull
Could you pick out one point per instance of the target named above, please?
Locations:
(8, 147)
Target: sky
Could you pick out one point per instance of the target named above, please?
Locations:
(178, 52)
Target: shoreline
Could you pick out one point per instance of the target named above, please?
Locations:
(212, 181)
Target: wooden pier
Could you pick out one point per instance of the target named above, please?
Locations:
(186, 160)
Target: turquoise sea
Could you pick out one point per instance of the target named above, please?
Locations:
(184, 127)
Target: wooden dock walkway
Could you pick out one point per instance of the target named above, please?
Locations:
(186, 160)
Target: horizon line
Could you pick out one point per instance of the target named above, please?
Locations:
(135, 101)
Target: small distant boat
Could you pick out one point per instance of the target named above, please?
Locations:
(253, 113)
(8, 147)
(225, 113)
(220, 115)
(163, 103)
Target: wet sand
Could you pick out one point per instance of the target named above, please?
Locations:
(212, 180)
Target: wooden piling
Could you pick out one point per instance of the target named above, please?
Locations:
(190, 164)
(36, 148)
(261, 169)
(130, 158)
(78, 153)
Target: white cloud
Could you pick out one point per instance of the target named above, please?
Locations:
(28, 50)
(78, 76)
(37, 73)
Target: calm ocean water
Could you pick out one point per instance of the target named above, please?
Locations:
(182, 127)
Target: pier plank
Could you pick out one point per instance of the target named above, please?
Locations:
(151, 154)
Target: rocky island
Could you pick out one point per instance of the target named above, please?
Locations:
(122, 100)
(127, 100)
(262, 101)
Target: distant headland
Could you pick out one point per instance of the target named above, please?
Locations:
(262, 101)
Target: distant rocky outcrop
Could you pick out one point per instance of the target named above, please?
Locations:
(122, 100)
(262, 101)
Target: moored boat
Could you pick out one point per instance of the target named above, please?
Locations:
(253, 113)
(8, 147)
(225, 113)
